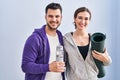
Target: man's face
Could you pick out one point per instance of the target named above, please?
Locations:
(53, 18)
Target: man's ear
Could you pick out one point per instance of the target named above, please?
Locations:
(45, 17)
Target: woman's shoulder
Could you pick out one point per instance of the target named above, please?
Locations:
(67, 34)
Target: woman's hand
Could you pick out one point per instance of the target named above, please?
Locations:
(104, 57)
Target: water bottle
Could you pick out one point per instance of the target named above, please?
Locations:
(59, 53)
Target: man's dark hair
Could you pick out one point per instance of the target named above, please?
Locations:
(53, 6)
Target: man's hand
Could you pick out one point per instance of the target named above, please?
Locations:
(57, 66)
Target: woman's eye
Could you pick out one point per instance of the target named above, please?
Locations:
(86, 18)
(79, 17)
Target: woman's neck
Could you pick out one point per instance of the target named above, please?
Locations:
(81, 38)
(80, 33)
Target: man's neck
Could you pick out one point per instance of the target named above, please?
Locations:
(50, 32)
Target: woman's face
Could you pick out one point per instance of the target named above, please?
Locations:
(82, 20)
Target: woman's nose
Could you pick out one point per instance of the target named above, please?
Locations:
(83, 21)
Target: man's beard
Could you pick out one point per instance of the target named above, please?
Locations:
(51, 27)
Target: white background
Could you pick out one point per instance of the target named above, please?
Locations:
(19, 18)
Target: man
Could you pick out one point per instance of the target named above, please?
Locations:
(39, 54)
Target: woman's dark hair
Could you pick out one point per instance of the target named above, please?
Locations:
(53, 6)
(82, 9)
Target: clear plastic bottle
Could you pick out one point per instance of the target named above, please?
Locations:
(59, 53)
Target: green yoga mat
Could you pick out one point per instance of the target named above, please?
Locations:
(97, 43)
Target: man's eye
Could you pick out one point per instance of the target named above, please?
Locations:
(57, 16)
(50, 16)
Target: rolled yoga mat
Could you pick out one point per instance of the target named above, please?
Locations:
(97, 43)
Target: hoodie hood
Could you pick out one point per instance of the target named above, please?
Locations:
(42, 33)
(69, 38)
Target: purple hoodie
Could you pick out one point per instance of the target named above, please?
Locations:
(36, 55)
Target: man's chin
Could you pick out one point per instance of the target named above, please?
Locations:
(52, 27)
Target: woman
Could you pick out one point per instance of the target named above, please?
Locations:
(80, 63)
